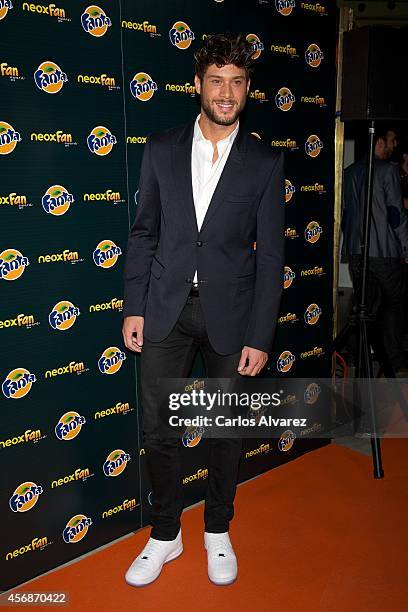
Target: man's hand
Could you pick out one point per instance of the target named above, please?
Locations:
(131, 326)
(256, 358)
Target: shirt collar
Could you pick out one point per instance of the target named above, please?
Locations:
(198, 135)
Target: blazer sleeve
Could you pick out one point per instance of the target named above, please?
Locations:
(397, 215)
(269, 262)
(143, 239)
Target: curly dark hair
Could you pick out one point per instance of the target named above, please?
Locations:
(223, 49)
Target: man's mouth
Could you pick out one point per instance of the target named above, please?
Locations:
(225, 106)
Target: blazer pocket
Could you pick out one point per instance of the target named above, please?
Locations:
(238, 199)
(156, 268)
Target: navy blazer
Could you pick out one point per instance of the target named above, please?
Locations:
(240, 286)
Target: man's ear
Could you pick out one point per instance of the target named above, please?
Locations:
(197, 83)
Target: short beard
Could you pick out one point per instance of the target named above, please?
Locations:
(220, 120)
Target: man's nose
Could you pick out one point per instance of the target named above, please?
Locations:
(226, 90)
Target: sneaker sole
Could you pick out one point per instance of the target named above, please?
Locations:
(221, 582)
(171, 557)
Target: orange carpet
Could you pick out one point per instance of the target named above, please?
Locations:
(316, 535)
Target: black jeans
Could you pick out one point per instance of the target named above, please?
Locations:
(385, 300)
(173, 358)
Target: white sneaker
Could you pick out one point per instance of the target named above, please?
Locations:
(148, 565)
(222, 562)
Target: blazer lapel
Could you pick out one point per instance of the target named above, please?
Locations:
(231, 170)
(181, 163)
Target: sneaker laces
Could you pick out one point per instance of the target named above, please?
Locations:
(149, 550)
(219, 545)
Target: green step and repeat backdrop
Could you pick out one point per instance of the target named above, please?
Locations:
(81, 87)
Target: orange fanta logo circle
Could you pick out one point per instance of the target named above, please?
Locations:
(257, 45)
(63, 315)
(69, 425)
(5, 6)
(17, 383)
(76, 528)
(286, 440)
(95, 21)
(313, 145)
(12, 264)
(49, 77)
(142, 86)
(311, 394)
(285, 361)
(8, 138)
(285, 7)
(100, 141)
(289, 190)
(106, 254)
(115, 462)
(25, 497)
(57, 200)
(314, 55)
(192, 436)
(312, 314)
(313, 232)
(111, 360)
(284, 99)
(181, 35)
(288, 277)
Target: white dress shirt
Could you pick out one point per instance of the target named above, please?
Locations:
(205, 175)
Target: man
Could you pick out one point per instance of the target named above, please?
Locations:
(388, 242)
(193, 280)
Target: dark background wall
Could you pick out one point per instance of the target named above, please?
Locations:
(72, 134)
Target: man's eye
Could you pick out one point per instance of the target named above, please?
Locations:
(216, 81)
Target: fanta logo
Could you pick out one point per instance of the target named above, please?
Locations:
(25, 497)
(5, 6)
(289, 190)
(69, 425)
(313, 145)
(103, 80)
(49, 77)
(257, 45)
(57, 200)
(115, 462)
(6, 70)
(286, 440)
(192, 436)
(200, 474)
(12, 264)
(144, 26)
(76, 528)
(106, 254)
(285, 7)
(63, 315)
(314, 56)
(288, 277)
(66, 255)
(101, 141)
(284, 99)
(312, 393)
(142, 86)
(58, 136)
(312, 314)
(180, 35)
(107, 196)
(21, 320)
(95, 21)
(51, 9)
(18, 383)
(313, 231)
(186, 88)
(111, 360)
(114, 304)
(8, 138)
(285, 361)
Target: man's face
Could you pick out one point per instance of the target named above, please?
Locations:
(390, 143)
(223, 93)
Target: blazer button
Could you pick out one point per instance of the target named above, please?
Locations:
(199, 243)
